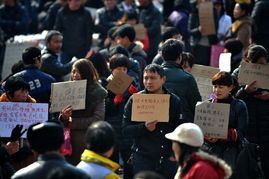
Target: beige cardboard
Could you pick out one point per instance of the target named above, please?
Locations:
(213, 118)
(206, 17)
(203, 75)
(119, 83)
(139, 31)
(68, 93)
(150, 107)
(250, 72)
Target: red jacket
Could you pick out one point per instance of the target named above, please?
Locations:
(205, 166)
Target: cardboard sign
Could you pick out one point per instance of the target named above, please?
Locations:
(24, 114)
(203, 75)
(13, 54)
(150, 107)
(225, 62)
(68, 93)
(206, 17)
(120, 82)
(139, 31)
(213, 119)
(250, 72)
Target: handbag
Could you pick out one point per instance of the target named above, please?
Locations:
(248, 161)
(216, 50)
(66, 148)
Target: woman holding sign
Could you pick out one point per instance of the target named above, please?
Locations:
(95, 107)
(227, 149)
(257, 101)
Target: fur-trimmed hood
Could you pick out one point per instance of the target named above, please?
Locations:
(220, 166)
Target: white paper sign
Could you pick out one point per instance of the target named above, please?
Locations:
(24, 114)
(13, 54)
(212, 118)
(68, 93)
(203, 75)
(225, 62)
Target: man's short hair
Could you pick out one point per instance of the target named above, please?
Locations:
(119, 60)
(15, 83)
(169, 32)
(154, 68)
(118, 49)
(100, 137)
(52, 33)
(46, 136)
(29, 55)
(126, 30)
(171, 49)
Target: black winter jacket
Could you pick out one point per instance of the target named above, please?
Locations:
(52, 66)
(152, 144)
(44, 165)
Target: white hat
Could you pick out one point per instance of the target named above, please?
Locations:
(187, 133)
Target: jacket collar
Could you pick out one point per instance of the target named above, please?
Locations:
(46, 157)
(171, 64)
(92, 157)
(47, 50)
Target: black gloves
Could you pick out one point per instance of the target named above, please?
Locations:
(17, 133)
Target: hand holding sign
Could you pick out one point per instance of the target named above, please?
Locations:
(151, 125)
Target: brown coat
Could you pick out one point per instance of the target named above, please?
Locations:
(241, 30)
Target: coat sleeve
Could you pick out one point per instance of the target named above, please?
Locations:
(242, 118)
(54, 67)
(244, 34)
(130, 128)
(99, 113)
(194, 95)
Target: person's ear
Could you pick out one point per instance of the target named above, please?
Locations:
(164, 79)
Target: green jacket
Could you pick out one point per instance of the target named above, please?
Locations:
(184, 86)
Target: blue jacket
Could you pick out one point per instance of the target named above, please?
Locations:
(40, 83)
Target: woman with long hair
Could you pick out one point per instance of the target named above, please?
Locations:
(79, 120)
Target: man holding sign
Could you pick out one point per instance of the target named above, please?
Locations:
(151, 151)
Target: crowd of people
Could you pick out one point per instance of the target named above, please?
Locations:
(105, 142)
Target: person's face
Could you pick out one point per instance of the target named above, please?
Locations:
(124, 41)
(143, 3)
(75, 74)
(218, 7)
(186, 67)
(55, 43)
(118, 69)
(20, 95)
(74, 4)
(153, 82)
(129, 1)
(238, 12)
(9, 3)
(131, 21)
(177, 150)
(221, 91)
(110, 4)
(261, 61)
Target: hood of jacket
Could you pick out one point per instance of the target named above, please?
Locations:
(220, 166)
